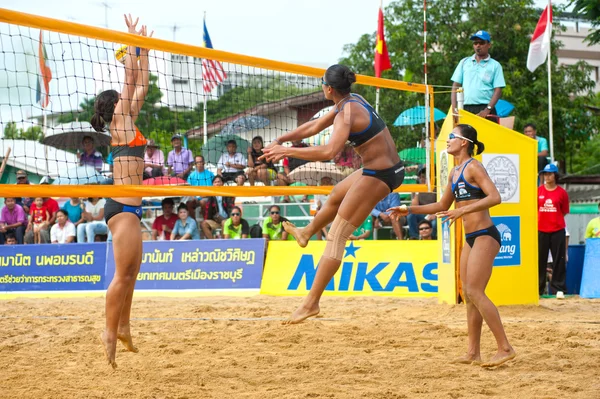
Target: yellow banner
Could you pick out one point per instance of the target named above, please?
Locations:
(369, 268)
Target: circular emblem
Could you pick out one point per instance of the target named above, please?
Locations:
(443, 171)
(505, 176)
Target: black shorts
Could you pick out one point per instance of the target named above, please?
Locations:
(393, 176)
(491, 231)
(112, 208)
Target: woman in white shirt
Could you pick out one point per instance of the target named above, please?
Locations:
(94, 217)
(63, 231)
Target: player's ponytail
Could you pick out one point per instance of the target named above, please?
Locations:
(104, 108)
(469, 132)
(480, 147)
(341, 78)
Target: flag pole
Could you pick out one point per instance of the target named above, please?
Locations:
(377, 89)
(550, 121)
(204, 121)
(428, 117)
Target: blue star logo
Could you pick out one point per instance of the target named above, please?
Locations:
(351, 250)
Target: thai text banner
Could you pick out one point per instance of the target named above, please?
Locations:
(206, 264)
(369, 268)
(52, 267)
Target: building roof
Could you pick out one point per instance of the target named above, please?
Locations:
(263, 110)
(37, 158)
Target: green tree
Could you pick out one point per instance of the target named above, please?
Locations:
(31, 133)
(450, 24)
(590, 9)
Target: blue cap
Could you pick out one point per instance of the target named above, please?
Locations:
(550, 168)
(483, 35)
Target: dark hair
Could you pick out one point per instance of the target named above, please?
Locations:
(10, 236)
(104, 108)
(238, 208)
(340, 77)
(256, 231)
(199, 156)
(530, 125)
(63, 212)
(274, 206)
(469, 132)
(182, 206)
(218, 177)
(167, 201)
(232, 142)
(425, 221)
(258, 138)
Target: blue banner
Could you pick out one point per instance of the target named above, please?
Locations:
(510, 234)
(52, 267)
(198, 265)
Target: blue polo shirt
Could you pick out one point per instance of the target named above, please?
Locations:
(203, 178)
(542, 143)
(479, 79)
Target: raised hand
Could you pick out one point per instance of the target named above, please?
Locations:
(131, 25)
(273, 153)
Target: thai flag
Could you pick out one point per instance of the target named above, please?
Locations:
(540, 42)
(44, 77)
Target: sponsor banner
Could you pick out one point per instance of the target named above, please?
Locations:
(503, 169)
(52, 267)
(510, 233)
(198, 265)
(369, 268)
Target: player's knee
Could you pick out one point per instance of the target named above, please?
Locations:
(337, 237)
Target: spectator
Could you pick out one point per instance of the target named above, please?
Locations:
(289, 164)
(74, 208)
(553, 205)
(94, 221)
(421, 199)
(200, 177)
(154, 160)
(425, 230)
(52, 206)
(383, 219)
(231, 163)
(363, 232)
(272, 228)
(25, 202)
(593, 228)
(259, 170)
(180, 160)
(320, 200)
(38, 219)
(63, 231)
(347, 160)
(163, 225)
(481, 78)
(531, 132)
(10, 239)
(235, 227)
(240, 180)
(216, 210)
(12, 221)
(186, 227)
(90, 156)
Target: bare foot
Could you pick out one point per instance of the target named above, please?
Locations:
(124, 335)
(467, 359)
(109, 350)
(297, 233)
(301, 314)
(500, 358)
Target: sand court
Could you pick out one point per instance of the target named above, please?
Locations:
(230, 347)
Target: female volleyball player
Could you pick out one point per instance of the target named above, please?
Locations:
(353, 198)
(474, 193)
(119, 112)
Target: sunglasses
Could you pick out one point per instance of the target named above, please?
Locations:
(274, 213)
(323, 82)
(235, 214)
(424, 228)
(455, 136)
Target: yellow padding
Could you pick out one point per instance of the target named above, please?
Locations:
(72, 28)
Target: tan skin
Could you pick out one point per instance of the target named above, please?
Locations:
(482, 50)
(10, 204)
(127, 235)
(275, 213)
(347, 198)
(236, 220)
(206, 229)
(530, 132)
(475, 263)
(257, 172)
(39, 202)
(167, 213)
(61, 220)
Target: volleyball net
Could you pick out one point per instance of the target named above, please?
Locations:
(199, 102)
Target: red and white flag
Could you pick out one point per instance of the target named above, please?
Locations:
(540, 42)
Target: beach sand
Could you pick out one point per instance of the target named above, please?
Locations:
(358, 348)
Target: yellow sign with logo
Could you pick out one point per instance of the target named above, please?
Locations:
(369, 268)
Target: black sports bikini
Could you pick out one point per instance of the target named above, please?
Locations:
(376, 124)
(463, 191)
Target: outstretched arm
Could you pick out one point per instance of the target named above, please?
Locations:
(307, 129)
(131, 67)
(142, 83)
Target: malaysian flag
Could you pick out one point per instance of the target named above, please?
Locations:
(212, 71)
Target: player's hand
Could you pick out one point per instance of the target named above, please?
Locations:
(450, 216)
(397, 212)
(273, 153)
(131, 25)
(144, 32)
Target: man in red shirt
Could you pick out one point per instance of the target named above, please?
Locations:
(166, 222)
(553, 205)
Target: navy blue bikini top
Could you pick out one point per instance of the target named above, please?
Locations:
(463, 191)
(376, 124)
